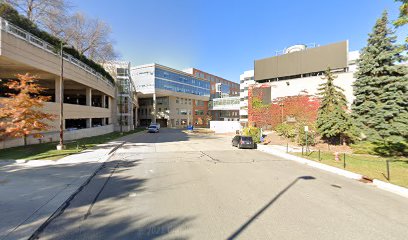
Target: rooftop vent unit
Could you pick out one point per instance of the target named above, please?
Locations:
(295, 48)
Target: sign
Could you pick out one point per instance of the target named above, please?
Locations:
(306, 128)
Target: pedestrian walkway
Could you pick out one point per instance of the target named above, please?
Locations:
(32, 190)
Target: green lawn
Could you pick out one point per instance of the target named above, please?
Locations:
(48, 150)
(368, 165)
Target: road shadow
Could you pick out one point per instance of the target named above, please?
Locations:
(235, 234)
(101, 210)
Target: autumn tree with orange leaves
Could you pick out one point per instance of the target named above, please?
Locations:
(20, 113)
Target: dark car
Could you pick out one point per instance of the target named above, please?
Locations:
(243, 142)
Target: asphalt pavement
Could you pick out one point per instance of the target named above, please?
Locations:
(174, 185)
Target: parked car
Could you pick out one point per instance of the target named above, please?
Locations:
(152, 129)
(243, 142)
(155, 124)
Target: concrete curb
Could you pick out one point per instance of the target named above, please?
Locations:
(391, 188)
(61, 200)
(380, 184)
(311, 163)
(75, 190)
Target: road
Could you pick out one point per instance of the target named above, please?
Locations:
(173, 185)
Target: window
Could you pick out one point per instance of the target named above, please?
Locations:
(189, 101)
(159, 109)
(199, 103)
(183, 111)
(177, 122)
(185, 101)
(122, 72)
(199, 112)
(177, 100)
(178, 111)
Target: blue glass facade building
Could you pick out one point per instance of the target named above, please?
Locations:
(175, 82)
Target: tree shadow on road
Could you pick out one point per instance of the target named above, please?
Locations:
(103, 210)
(235, 234)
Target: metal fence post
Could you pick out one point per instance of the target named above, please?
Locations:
(388, 170)
(344, 160)
(319, 155)
(302, 150)
(287, 147)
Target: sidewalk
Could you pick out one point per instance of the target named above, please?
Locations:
(30, 191)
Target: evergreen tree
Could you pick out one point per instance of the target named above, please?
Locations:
(333, 122)
(403, 15)
(381, 103)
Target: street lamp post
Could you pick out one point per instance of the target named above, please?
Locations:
(61, 146)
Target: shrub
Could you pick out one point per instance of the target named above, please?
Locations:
(363, 147)
(254, 132)
(286, 130)
(301, 134)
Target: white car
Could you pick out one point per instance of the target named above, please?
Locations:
(155, 124)
(152, 129)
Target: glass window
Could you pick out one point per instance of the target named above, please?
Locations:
(199, 112)
(181, 83)
(177, 100)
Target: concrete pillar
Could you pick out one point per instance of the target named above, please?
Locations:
(57, 89)
(103, 101)
(154, 108)
(89, 122)
(89, 96)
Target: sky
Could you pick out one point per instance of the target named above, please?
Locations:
(224, 37)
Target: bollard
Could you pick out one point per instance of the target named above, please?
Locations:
(302, 150)
(319, 155)
(344, 160)
(388, 170)
(287, 147)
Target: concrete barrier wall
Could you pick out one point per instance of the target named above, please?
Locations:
(225, 126)
(54, 136)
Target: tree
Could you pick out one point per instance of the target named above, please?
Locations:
(39, 11)
(20, 114)
(333, 122)
(381, 104)
(91, 37)
(403, 15)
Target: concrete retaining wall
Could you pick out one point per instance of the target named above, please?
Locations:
(54, 136)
